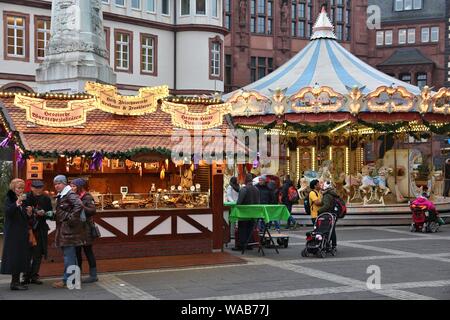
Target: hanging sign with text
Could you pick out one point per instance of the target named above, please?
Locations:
(37, 111)
(108, 100)
(183, 118)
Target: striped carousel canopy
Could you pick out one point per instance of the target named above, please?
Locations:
(325, 77)
(324, 62)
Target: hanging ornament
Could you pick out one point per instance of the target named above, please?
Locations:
(5, 142)
(197, 159)
(256, 161)
(97, 160)
(167, 164)
(19, 157)
(162, 174)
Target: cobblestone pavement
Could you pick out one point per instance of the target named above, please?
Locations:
(412, 266)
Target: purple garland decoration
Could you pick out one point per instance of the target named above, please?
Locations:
(256, 161)
(196, 160)
(19, 158)
(5, 142)
(97, 161)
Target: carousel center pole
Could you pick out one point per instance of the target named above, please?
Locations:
(348, 153)
(431, 150)
(395, 159)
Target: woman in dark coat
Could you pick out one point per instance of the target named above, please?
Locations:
(79, 187)
(16, 246)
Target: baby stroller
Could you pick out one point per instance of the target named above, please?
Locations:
(423, 219)
(318, 241)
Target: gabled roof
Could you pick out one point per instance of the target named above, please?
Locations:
(406, 56)
(104, 131)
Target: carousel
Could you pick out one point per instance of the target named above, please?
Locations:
(339, 119)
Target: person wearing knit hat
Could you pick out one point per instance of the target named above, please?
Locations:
(328, 203)
(79, 187)
(79, 182)
(69, 232)
(60, 179)
(327, 185)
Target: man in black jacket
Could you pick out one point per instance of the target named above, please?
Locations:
(265, 194)
(247, 195)
(38, 204)
(446, 177)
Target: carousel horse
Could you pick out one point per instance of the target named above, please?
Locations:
(375, 184)
(304, 187)
(352, 183)
(325, 172)
(310, 175)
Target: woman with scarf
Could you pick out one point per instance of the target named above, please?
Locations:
(79, 187)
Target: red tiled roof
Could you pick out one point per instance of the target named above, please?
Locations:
(102, 130)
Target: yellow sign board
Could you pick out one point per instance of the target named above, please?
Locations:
(182, 118)
(38, 112)
(108, 100)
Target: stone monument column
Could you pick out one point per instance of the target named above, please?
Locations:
(77, 49)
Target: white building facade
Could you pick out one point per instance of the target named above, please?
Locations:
(178, 43)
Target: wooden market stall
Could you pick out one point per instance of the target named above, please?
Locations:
(155, 193)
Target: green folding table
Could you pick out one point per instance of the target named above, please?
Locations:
(265, 212)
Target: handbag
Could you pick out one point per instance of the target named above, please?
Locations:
(83, 216)
(32, 238)
(95, 231)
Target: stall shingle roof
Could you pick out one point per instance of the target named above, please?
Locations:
(103, 130)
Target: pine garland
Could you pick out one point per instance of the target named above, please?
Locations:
(317, 128)
(445, 129)
(122, 155)
(385, 127)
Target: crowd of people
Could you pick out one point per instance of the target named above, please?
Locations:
(320, 198)
(261, 191)
(26, 230)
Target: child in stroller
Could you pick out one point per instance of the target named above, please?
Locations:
(318, 241)
(425, 218)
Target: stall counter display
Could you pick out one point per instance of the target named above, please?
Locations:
(152, 200)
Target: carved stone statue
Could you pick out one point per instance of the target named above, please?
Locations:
(242, 13)
(284, 17)
(77, 51)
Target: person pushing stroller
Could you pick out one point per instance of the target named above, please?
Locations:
(328, 203)
(425, 217)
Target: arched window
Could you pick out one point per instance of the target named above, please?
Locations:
(16, 87)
